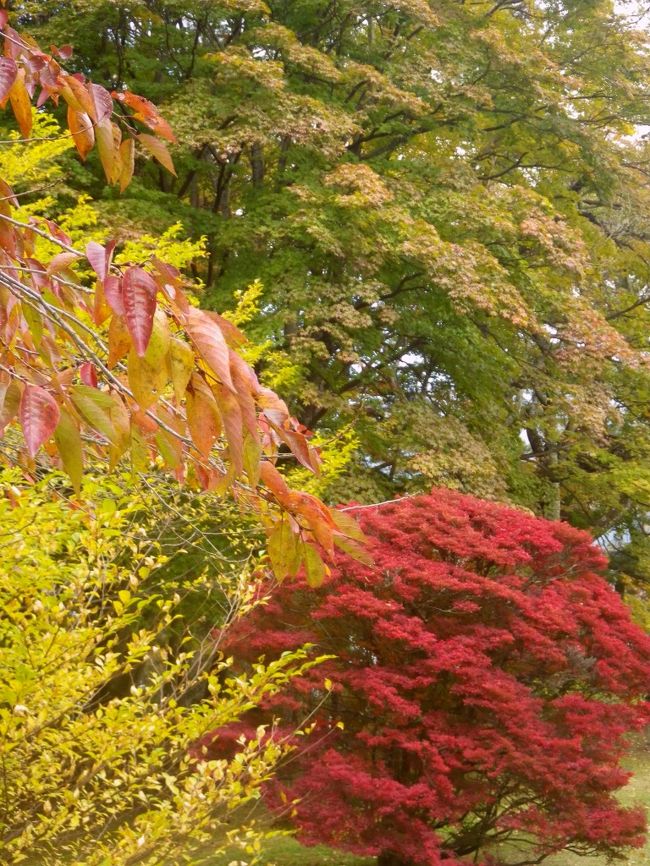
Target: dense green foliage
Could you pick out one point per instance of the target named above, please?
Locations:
(447, 209)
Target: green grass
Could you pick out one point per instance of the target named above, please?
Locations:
(285, 851)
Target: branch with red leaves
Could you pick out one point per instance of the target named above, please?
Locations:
(116, 360)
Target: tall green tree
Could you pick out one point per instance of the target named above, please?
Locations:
(447, 206)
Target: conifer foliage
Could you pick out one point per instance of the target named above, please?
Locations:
(484, 679)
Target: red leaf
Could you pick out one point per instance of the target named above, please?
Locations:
(39, 415)
(8, 72)
(139, 297)
(88, 374)
(113, 294)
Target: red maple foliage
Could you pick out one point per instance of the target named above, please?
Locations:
(486, 676)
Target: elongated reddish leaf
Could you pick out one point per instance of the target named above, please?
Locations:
(88, 374)
(158, 149)
(114, 295)
(39, 414)
(8, 72)
(139, 297)
(146, 112)
(208, 339)
(83, 133)
(100, 257)
(102, 102)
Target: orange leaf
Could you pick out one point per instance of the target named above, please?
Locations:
(119, 340)
(146, 112)
(158, 149)
(231, 417)
(21, 104)
(81, 128)
(127, 162)
(76, 95)
(203, 417)
(108, 144)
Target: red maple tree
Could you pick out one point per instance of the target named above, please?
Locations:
(485, 679)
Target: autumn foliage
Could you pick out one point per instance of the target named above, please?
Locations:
(485, 678)
(117, 361)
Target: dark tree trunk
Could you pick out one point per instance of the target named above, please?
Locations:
(389, 858)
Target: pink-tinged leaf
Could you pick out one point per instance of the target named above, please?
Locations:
(100, 257)
(139, 298)
(63, 51)
(102, 102)
(4, 18)
(39, 414)
(8, 72)
(274, 481)
(88, 374)
(300, 448)
(209, 340)
(158, 149)
(114, 295)
(61, 262)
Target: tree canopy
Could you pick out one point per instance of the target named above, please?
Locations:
(446, 205)
(482, 680)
